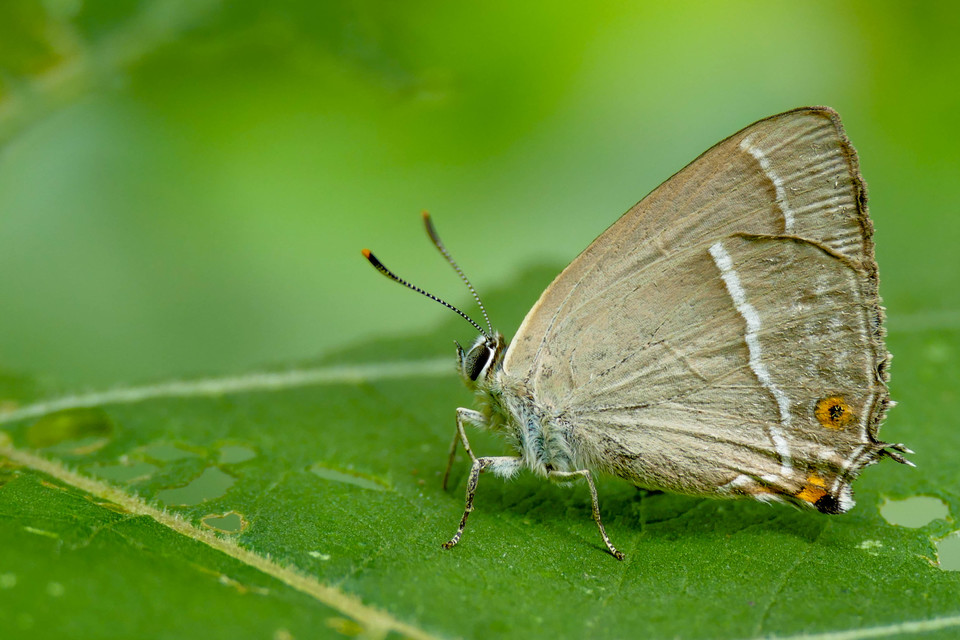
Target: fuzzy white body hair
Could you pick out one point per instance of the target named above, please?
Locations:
(541, 439)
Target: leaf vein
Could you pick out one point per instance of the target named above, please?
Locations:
(375, 620)
(258, 381)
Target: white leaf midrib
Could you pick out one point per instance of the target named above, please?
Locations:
(377, 623)
(882, 631)
(251, 382)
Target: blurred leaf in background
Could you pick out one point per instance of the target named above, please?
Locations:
(185, 186)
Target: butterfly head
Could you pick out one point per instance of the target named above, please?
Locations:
(482, 359)
(485, 357)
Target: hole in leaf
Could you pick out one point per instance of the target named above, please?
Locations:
(163, 452)
(210, 484)
(948, 552)
(234, 453)
(125, 472)
(230, 522)
(349, 477)
(913, 512)
(70, 425)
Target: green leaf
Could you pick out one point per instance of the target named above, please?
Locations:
(306, 502)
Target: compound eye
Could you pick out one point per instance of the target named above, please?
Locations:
(477, 360)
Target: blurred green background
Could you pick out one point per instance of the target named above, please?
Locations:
(185, 185)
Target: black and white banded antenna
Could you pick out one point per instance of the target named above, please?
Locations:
(432, 232)
(390, 274)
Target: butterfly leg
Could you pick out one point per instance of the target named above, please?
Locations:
(502, 465)
(567, 475)
(463, 415)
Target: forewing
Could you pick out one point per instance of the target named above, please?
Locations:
(694, 345)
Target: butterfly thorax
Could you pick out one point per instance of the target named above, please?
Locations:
(541, 438)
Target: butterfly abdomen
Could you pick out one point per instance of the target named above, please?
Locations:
(541, 438)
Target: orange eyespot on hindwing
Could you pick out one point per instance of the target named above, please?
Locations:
(814, 490)
(833, 412)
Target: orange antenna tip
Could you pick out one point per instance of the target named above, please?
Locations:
(366, 253)
(425, 214)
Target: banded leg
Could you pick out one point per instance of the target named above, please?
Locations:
(566, 475)
(463, 415)
(504, 465)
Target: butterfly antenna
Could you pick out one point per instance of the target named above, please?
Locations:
(432, 232)
(390, 274)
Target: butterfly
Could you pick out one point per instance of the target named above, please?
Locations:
(723, 338)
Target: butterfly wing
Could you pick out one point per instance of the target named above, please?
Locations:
(725, 334)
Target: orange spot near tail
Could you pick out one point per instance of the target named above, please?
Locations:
(814, 489)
